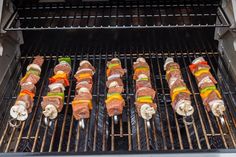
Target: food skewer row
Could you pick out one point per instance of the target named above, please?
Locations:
(114, 101)
(179, 93)
(82, 103)
(211, 97)
(24, 102)
(145, 94)
(53, 102)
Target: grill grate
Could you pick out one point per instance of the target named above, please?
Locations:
(167, 132)
(119, 14)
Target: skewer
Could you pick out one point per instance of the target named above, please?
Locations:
(14, 123)
(148, 124)
(18, 113)
(81, 123)
(188, 119)
(50, 113)
(47, 121)
(116, 119)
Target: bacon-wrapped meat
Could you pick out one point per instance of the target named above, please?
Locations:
(53, 102)
(82, 103)
(24, 102)
(115, 102)
(179, 93)
(145, 94)
(211, 97)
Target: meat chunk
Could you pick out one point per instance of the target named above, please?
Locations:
(209, 75)
(143, 83)
(29, 77)
(139, 72)
(114, 83)
(145, 91)
(52, 100)
(174, 73)
(80, 110)
(119, 89)
(28, 100)
(84, 85)
(29, 87)
(83, 96)
(115, 107)
(38, 60)
(172, 65)
(62, 67)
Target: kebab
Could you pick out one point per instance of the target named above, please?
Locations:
(114, 101)
(179, 93)
(82, 103)
(53, 102)
(145, 94)
(24, 102)
(211, 97)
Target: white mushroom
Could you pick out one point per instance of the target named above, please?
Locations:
(19, 111)
(84, 70)
(50, 111)
(184, 108)
(147, 111)
(217, 107)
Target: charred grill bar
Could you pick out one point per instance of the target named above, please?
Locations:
(167, 131)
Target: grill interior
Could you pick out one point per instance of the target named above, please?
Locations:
(167, 131)
(185, 39)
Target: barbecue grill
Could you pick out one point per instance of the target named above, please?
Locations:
(99, 31)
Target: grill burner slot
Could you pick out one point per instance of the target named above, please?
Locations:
(131, 134)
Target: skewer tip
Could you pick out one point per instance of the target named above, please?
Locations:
(188, 120)
(116, 119)
(81, 123)
(14, 123)
(47, 121)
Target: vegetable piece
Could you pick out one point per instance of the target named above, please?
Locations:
(77, 102)
(174, 95)
(201, 71)
(145, 99)
(114, 96)
(208, 88)
(23, 92)
(62, 95)
(65, 59)
(113, 65)
(192, 67)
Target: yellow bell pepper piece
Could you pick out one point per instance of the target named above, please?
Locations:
(201, 71)
(174, 95)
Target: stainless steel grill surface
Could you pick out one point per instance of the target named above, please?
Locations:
(167, 132)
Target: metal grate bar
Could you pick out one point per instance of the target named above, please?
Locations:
(123, 15)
